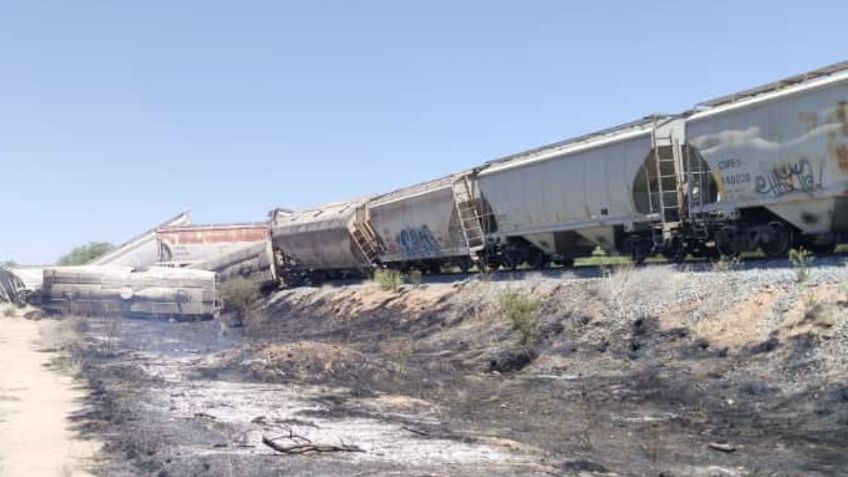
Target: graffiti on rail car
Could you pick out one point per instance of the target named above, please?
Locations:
(418, 242)
(782, 180)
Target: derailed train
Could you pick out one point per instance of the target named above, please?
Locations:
(765, 168)
(127, 291)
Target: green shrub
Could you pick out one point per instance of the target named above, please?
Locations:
(520, 311)
(416, 277)
(801, 260)
(389, 280)
(85, 253)
(240, 296)
(9, 312)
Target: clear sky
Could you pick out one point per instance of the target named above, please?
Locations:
(115, 115)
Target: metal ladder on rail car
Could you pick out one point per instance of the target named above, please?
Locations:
(666, 202)
(366, 240)
(468, 211)
(696, 184)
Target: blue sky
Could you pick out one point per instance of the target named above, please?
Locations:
(116, 115)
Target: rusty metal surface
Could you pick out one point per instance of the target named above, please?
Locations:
(418, 222)
(320, 238)
(143, 249)
(784, 150)
(188, 245)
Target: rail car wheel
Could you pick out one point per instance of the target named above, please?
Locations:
(780, 240)
(510, 260)
(826, 248)
(675, 250)
(640, 249)
(464, 265)
(726, 244)
(539, 260)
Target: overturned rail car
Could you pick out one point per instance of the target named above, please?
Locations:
(255, 263)
(188, 245)
(12, 288)
(154, 292)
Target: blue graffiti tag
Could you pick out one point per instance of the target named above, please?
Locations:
(785, 179)
(418, 243)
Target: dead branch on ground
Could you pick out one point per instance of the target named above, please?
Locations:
(302, 445)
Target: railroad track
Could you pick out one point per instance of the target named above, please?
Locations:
(593, 271)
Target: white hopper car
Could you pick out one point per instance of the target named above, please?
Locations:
(766, 168)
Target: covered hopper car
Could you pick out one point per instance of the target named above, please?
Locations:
(118, 290)
(766, 168)
(331, 241)
(429, 225)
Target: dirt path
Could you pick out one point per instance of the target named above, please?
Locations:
(35, 402)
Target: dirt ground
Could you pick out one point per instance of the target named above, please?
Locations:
(649, 372)
(38, 401)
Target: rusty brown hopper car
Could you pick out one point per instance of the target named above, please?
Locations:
(183, 246)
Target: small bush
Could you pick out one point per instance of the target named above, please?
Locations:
(240, 296)
(416, 278)
(9, 312)
(520, 311)
(388, 280)
(801, 260)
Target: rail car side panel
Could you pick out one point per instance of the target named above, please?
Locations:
(187, 245)
(582, 190)
(321, 249)
(422, 226)
(787, 152)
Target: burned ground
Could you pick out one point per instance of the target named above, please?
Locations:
(643, 372)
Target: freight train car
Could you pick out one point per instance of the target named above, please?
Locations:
(428, 225)
(118, 290)
(332, 241)
(187, 245)
(562, 201)
(143, 249)
(779, 155)
(256, 263)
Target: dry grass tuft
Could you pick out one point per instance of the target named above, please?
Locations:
(389, 280)
(519, 310)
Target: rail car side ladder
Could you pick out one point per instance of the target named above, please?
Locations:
(366, 240)
(467, 203)
(666, 202)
